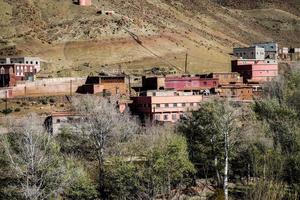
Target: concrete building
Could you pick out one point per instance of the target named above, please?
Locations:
(11, 73)
(35, 61)
(271, 49)
(190, 83)
(239, 92)
(164, 106)
(107, 85)
(254, 52)
(256, 71)
(58, 121)
(295, 50)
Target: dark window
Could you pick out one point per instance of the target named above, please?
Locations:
(58, 121)
(175, 105)
(165, 117)
(37, 62)
(158, 105)
(205, 83)
(166, 105)
(183, 104)
(31, 62)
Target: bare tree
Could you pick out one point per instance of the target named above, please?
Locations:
(34, 157)
(106, 127)
(229, 123)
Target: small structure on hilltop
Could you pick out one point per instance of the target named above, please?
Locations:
(85, 2)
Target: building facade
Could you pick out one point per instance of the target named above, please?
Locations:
(254, 52)
(257, 71)
(11, 73)
(226, 78)
(164, 106)
(108, 85)
(271, 49)
(35, 61)
(190, 83)
(236, 92)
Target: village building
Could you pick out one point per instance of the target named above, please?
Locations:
(106, 85)
(239, 92)
(85, 2)
(11, 73)
(153, 83)
(35, 61)
(271, 49)
(256, 71)
(58, 121)
(253, 52)
(226, 78)
(164, 106)
(195, 83)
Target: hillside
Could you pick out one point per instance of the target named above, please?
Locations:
(77, 40)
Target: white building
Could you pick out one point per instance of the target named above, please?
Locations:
(23, 60)
(271, 49)
(254, 52)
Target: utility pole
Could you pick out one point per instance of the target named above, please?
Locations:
(186, 63)
(70, 87)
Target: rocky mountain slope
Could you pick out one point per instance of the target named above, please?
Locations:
(77, 40)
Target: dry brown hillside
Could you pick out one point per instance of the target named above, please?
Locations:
(78, 40)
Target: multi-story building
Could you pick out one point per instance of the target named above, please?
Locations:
(190, 83)
(11, 73)
(256, 71)
(164, 106)
(271, 49)
(35, 61)
(253, 52)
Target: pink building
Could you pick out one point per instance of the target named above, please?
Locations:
(85, 2)
(257, 71)
(164, 106)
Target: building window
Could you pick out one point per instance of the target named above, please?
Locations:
(165, 117)
(26, 62)
(183, 104)
(37, 62)
(31, 62)
(157, 105)
(175, 105)
(58, 121)
(153, 93)
(166, 105)
(174, 117)
(157, 117)
(191, 104)
(205, 83)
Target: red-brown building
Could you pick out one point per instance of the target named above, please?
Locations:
(240, 92)
(190, 83)
(11, 73)
(108, 85)
(226, 78)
